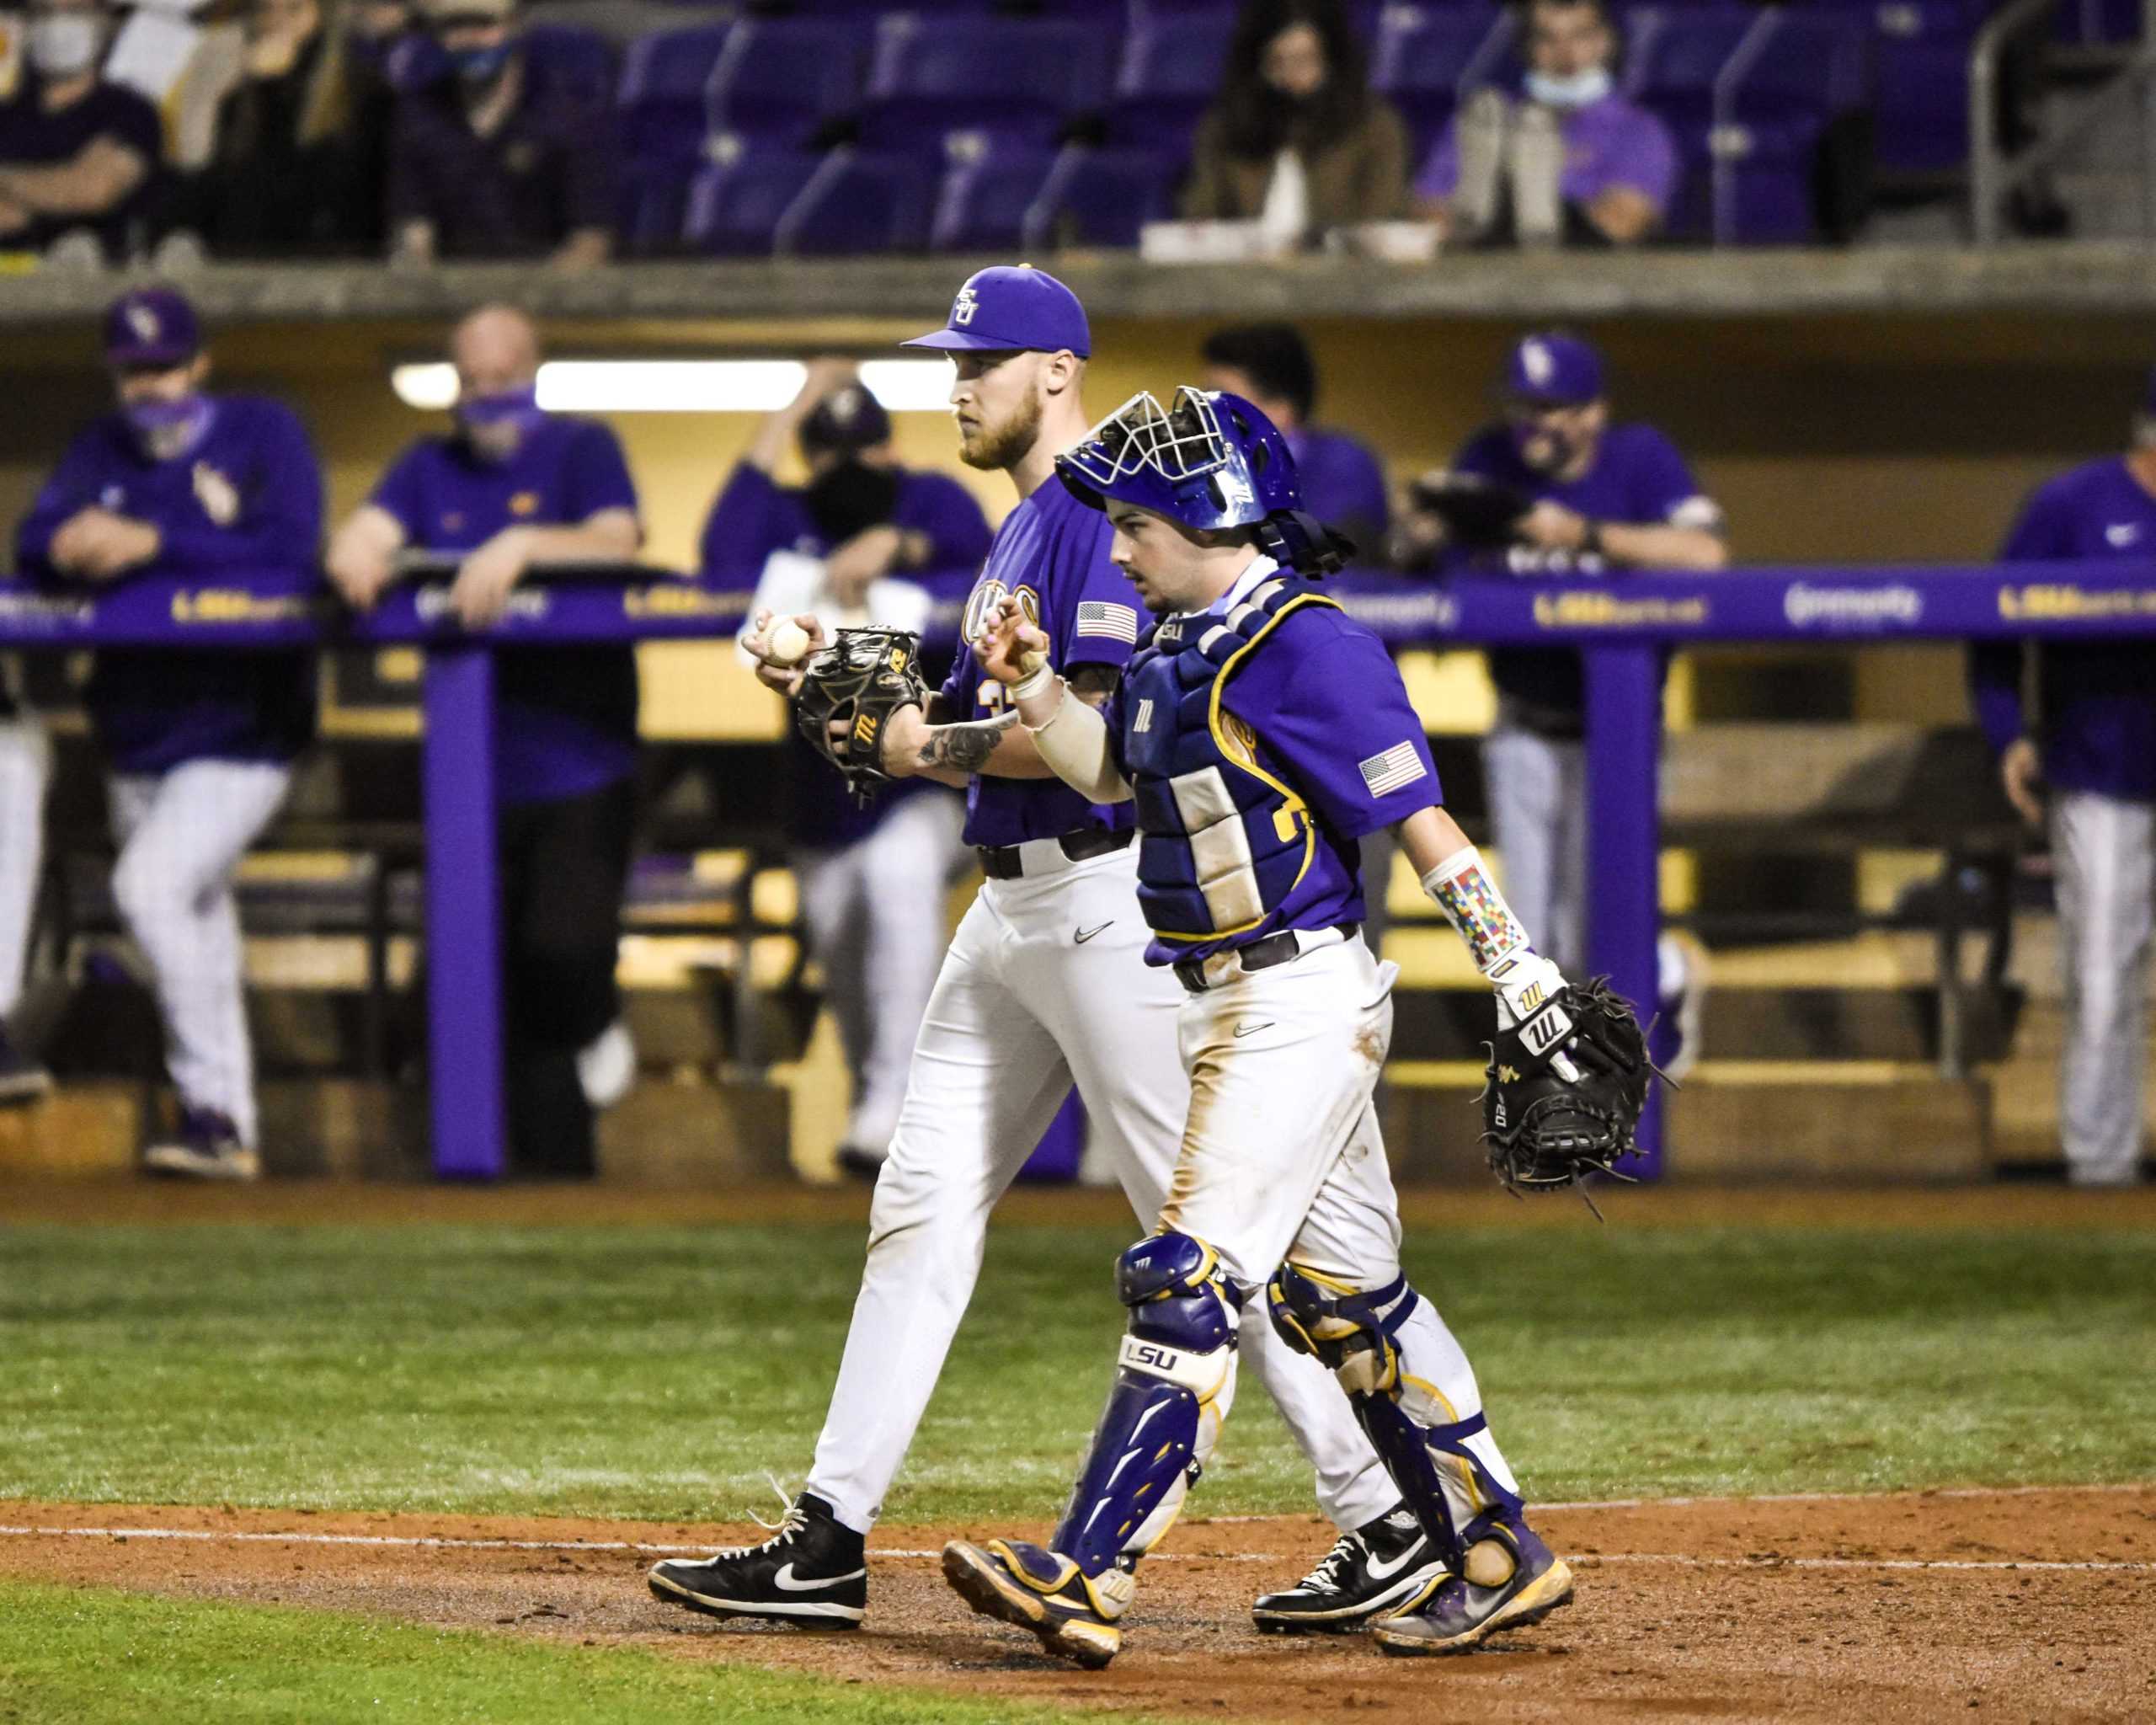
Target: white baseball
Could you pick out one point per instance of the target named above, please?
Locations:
(788, 644)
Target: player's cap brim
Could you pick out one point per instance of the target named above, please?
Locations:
(144, 358)
(960, 341)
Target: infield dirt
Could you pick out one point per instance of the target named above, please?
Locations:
(1912, 1606)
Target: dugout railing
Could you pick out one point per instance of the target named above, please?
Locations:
(1621, 626)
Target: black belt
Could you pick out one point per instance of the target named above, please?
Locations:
(1279, 948)
(1007, 862)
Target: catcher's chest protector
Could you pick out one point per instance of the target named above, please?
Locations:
(1223, 840)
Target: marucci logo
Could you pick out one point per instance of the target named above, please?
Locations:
(1851, 607)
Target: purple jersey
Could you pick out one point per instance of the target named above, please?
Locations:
(1637, 478)
(754, 516)
(565, 718)
(1331, 720)
(1609, 145)
(2098, 703)
(1053, 552)
(245, 500)
(1343, 483)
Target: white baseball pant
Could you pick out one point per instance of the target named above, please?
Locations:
(25, 766)
(1043, 985)
(2104, 849)
(181, 836)
(875, 915)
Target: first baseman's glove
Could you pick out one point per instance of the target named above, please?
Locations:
(1545, 1130)
(1478, 512)
(859, 682)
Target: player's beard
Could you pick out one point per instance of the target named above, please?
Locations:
(996, 447)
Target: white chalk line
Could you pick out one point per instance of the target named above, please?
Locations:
(445, 1543)
(1915, 1492)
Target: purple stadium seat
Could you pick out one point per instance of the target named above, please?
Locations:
(858, 202)
(1677, 55)
(987, 194)
(2096, 23)
(1920, 69)
(569, 59)
(662, 93)
(1103, 197)
(1427, 57)
(1170, 73)
(783, 79)
(1796, 130)
(655, 207)
(1021, 79)
(735, 205)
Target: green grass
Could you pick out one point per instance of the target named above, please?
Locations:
(68, 1654)
(657, 1373)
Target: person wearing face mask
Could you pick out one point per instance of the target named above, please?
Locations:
(301, 143)
(1598, 497)
(872, 879)
(178, 483)
(1296, 140)
(1569, 162)
(485, 163)
(76, 153)
(510, 491)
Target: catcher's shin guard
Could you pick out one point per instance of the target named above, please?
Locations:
(1175, 1379)
(1407, 1420)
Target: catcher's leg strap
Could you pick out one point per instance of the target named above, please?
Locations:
(1354, 1332)
(1175, 1380)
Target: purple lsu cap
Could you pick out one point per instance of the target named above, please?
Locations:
(1007, 309)
(1560, 370)
(152, 326)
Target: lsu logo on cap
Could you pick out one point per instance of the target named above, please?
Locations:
(142, 320)
(1535, 359)
(964, 307)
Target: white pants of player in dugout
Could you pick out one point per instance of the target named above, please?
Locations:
(1043, 985)
(875, 915)
(181, 836)
(25, 765)
(1283, 1161)
(2104, 849)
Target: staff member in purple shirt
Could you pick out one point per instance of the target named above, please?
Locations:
(179, 485)
(1571, 160)
(514, 489)
(1607, 496)
(872, 879)
(2089, 753)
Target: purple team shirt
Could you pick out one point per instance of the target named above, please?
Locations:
(754, 516)
(245, 500)
(1343, 483)
(565, 718)
(1608, 144)
(1333, 722)
(2098, 708)
(1638, 478)
(1053, 552)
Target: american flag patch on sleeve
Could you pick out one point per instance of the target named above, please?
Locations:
(1398, 766)
(1117, 622)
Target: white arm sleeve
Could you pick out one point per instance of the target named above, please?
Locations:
(1074, 740)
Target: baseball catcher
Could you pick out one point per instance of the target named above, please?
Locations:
(848, 693)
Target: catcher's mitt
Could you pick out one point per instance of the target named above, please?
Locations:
(1479, 514)
(1545, 1130)
(858, 681)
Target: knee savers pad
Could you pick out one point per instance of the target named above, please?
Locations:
(1175, 1380)
(1354, 1334)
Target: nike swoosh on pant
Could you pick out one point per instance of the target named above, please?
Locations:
(785, 1581)
(1083, 935)
(1243, 1030)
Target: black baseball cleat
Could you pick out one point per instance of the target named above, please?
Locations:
(1509, 1580)
(1382, 1567)
(813, 1572)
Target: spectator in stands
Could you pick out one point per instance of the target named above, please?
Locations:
(1570, 161)
(1296, 141)
(873, 880)
(79, 157)
(1595, 497)
(487, 161)
(180, 484)
(1343, 480)
(512, 490)
(2089, 753)
(302, 142)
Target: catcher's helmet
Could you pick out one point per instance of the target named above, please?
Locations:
(1208, 461)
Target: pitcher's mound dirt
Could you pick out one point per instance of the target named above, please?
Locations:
(1919, 1606)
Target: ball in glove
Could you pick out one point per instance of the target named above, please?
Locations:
(856, 683)
(1545, 1129)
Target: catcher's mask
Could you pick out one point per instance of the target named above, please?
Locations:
(1210, 461)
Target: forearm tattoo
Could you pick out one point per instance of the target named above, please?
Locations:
(965, 748)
